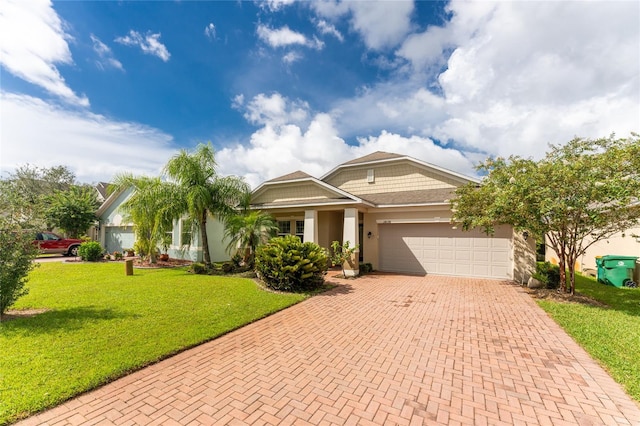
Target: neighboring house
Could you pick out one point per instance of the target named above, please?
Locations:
(397, 209)
(621, 244)
(116, 234)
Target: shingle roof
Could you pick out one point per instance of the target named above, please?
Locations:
(376, 156)
(291, 176)
(423, 196)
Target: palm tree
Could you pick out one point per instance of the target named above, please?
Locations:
(151, 207)
(246, 231)
(204, 192)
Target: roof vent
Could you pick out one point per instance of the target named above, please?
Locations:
(370, 176)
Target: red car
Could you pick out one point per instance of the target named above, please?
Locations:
(48, 242)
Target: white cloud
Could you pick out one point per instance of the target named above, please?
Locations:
(274, 5)
(93, 146)
(210, 30)
(382, 24)
(32, 42)
(284, 36)
(106, 58)
(274, 110)
(291, 57)
(150, 44)
(520, 75)
(326, 28)
(279, 147)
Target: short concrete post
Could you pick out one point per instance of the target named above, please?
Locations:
(128, 267)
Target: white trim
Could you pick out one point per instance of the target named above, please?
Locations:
(429, 220)
(336, 203)
(412, 205)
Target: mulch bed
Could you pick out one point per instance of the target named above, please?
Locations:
(557, 296)
(23, 313)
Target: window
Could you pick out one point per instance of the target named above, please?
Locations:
(185, 233)
(300, 229)
(284, 228)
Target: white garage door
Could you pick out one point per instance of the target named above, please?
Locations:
(118, 238)
(437, 248)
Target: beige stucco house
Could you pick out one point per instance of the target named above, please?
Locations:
(397, 209)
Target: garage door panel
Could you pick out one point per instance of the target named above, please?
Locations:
(439, 249)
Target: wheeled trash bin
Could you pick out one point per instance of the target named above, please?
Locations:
(616, 270)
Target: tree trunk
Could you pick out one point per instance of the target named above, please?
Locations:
(572, 275)
(206, 257)
(563, 273)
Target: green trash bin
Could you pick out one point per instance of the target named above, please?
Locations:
(616, 270)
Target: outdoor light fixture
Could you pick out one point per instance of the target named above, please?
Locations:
(525, 235)
(369, 234)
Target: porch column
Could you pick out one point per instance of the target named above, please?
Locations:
(350, 234)
(311, 226)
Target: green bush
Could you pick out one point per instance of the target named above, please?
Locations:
(198, 268)
(16, 261)
(365, 268)
(287, 264)
(548, 274)
(91, 251)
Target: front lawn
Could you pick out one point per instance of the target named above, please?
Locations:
(102, 324)
(611, 334)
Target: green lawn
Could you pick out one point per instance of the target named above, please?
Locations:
(610, 334)
(103, 324)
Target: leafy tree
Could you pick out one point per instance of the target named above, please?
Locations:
(73, 210)
(16, 260)
(248, 230)
(151, 207)
(203, 191)
(579, 193)
(23, 194)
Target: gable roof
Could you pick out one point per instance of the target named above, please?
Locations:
(384, 157)
(297, 175)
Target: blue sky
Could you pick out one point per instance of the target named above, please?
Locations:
(107, 87)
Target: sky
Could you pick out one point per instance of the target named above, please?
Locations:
(108, 87)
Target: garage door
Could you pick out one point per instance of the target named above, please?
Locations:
(429, 248)
(118, 238)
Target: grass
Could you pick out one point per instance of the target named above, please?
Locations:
(102, 324)
(611, 334)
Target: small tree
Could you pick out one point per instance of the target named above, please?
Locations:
(579, 193)
(151, 207)
(246, 231)
(342, 253)
(73, 210)
(16, 261)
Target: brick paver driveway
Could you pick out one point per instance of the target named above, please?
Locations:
(383, 349)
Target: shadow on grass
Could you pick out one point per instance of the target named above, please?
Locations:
(60, 319)
(625, 300)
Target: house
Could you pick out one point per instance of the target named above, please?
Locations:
(396, 209)
(115, 233)
(625, 243)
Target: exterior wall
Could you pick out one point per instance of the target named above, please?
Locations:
(524, 257)
(112, 215)
(389, 178)
(291, 192)
(217, 244)
(329, 228)
(616, 245)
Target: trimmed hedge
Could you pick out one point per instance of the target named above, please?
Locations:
(90, 251)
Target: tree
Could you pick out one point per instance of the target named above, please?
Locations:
(152, 206)
(73, 210)
(23, 194)
(579, 193)
(204, 192)
(16, 261)
(342, 253)
(248, 230)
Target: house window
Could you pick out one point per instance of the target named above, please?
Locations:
(284, 228)
(185, 233)
(300, 229)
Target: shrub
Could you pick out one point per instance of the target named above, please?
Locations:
(548, 274)
(365, 268)
(288, 264)
(91, 251)
(16, 260)
(342, 253)
(198, 268)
